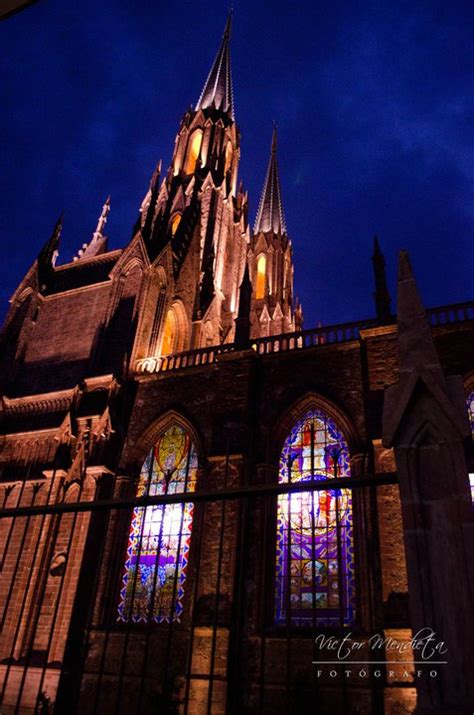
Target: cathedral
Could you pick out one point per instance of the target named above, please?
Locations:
(209, 509)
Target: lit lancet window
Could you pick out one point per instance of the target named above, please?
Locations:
(314, 544)
(194, 148)
(261, 277)
(156, 562)
(175, 221)
(470, 409)
(169, 333)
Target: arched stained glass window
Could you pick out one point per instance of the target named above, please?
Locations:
(470, 408)
(314, 549)
(157, 554)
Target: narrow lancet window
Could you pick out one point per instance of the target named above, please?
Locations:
(194, 148)
(168, 339)
(155, 570)
(175, 221)
(261, 276)
(314, 541)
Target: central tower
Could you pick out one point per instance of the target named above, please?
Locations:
(195, 226)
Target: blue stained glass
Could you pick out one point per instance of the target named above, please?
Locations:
(314, 555)
(158, 546)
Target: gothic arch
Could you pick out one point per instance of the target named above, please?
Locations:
(181, 337)
(315, 573)
(296, 411)
(131, 266)
(159, 535)
(150, 435)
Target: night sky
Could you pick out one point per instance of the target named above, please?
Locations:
(373, 100)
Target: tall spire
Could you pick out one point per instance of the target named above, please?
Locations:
(217, 90)
(381, 295)
(98, 243)
(270, 211)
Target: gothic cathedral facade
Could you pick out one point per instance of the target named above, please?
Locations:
(197, 493)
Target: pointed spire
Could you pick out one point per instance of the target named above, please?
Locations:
(98, 244)
(418, 360)
(48, 255)
(217, 90)
(416, 348)
(148, 213)
(155, 177)
(270, 210)
(381, 294)
(50, 251)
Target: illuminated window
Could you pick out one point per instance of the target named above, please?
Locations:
(261, 275)
(314, 548)
(175, 221)
(169, 333)
(194, 147)
(157, 320)
(470, 409)
(158, 547)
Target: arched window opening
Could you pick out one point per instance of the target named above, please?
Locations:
(194, 148)
(261, 276)
(314, 546)
(168, 340)
(154, 575)
(228, 157)
(470, 409)
(175, 221)
(157, 320)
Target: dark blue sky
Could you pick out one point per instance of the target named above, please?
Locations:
(374, 103)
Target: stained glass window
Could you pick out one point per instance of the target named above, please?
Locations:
(470, 408)
(314, 554)
(157, 554)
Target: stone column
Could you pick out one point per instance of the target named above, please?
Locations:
(425, 421)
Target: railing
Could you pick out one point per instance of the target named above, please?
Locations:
(342, 333)
(447, 314)
(191, 358)
(326, 335)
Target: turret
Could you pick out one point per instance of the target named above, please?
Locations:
(270, 259)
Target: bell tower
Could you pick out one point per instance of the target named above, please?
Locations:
(195, 223)
(270, 259)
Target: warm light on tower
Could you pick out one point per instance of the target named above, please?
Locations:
(175, 221)
(169, 333)
(193, 151)
(261, 273)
